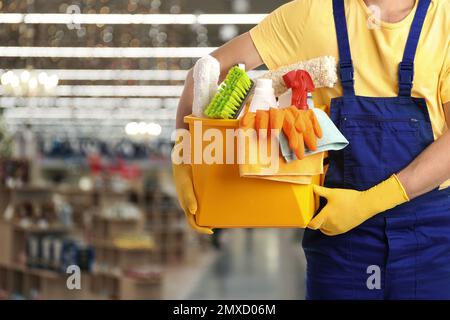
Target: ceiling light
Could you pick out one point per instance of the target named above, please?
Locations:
(132, 128)
(25, 76)
(42, 77)
(116, 74)
(118, 91)
(105, 52)
(154, 129)
(105, 103)
(142, 128)
(148, 19)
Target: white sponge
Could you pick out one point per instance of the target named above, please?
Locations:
(206, 78)
(323, 71)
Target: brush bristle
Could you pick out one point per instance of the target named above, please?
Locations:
(230, 96)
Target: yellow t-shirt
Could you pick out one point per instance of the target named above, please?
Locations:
(304, 29)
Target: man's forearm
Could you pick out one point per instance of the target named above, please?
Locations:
(185, 103)
(430, 169)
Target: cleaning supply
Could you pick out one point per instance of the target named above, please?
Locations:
(332, 139)
(276, 118)
(347, 209)
(232, 95)
(299, 126)
(296, 172)
(264, 96)
(270, 117)
(263, 100)
(302, 128)
(307, 129)
(263, 113)
(300, 83)
(227, 200)
(262, 120)
(206, 78)
(295, 138)
(322, 70)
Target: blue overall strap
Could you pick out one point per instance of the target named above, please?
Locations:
(406, 68)
(345, 57)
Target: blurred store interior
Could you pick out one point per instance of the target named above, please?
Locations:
(87, 109)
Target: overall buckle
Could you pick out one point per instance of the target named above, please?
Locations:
(347, 71)
(406, 78)
(406, 73)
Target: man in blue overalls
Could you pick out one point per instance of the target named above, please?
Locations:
(383, 229)
(409, 243)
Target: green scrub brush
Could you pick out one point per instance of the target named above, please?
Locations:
(232, 95)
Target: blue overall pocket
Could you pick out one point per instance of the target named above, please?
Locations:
(378, 148)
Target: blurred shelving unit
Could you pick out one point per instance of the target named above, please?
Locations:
(123, 269)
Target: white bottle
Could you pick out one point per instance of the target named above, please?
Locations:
(264, 96)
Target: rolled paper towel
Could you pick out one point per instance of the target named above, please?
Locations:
(206, 78)
(323, 71)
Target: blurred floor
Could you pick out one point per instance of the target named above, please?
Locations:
(255, 264)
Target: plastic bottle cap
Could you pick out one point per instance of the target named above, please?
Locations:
(263, 98)
(264, 84)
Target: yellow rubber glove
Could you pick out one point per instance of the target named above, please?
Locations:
(347, 209)
(182, 174)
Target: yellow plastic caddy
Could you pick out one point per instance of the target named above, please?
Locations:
(225, 200)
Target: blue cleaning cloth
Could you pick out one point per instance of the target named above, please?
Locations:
(332, 138)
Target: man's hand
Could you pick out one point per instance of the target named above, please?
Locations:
(347, 209)
(182, 174)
